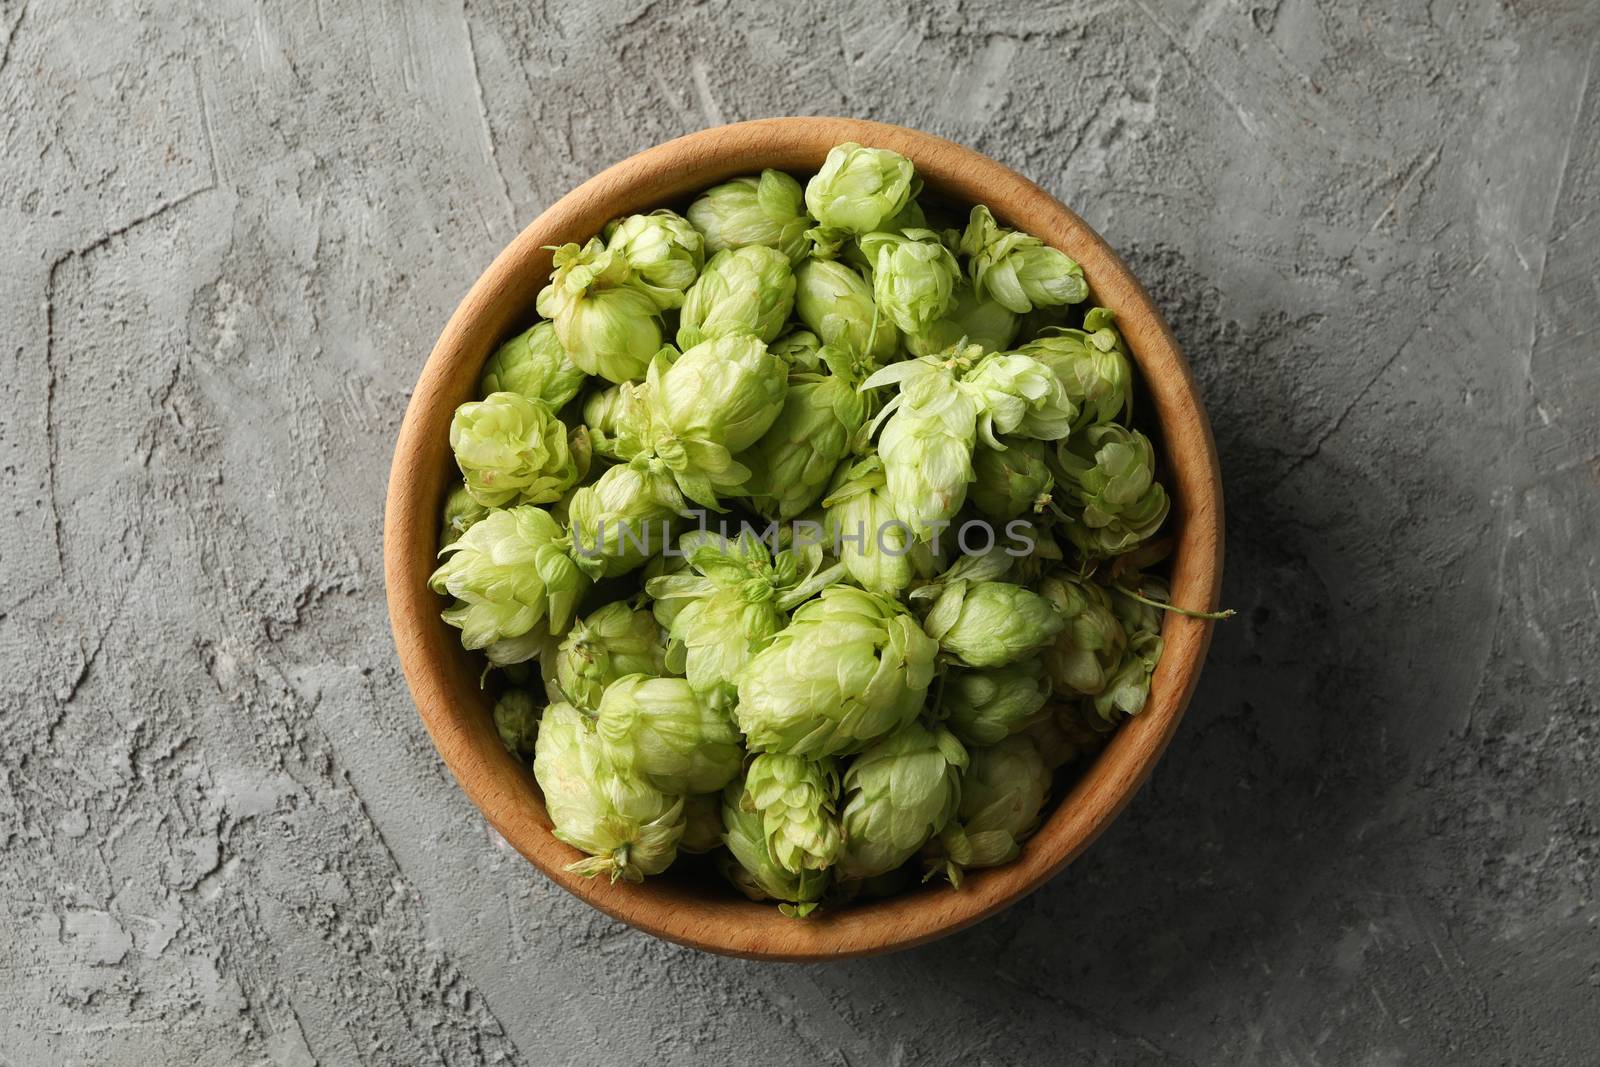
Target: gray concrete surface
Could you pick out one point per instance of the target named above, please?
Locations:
(234, 229)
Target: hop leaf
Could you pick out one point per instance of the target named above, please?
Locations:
(1018, 270)
(533, 364)
(796, 799)
(766, 210)
(512, 450)
(858, 188)
(661, 730)
(898, 793)
(743, 290)
(629, 828)
(508, 573)
(850, 667)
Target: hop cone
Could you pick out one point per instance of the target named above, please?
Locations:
(850, 667)
(753, 870)
(508, 572)
(796, 799)
(992, 624)
(512, 450)
(1107, 476)
(629, 828)
(533, 364)
(1002, 793)
(767, 210)
(985, 707)
(661, 730)
(898, 793)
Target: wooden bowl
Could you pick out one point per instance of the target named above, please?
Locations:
(444, 678)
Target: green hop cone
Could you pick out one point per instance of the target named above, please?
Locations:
(534, 364)
(850, 667)
(1071, 731)
(836, 304)
(768, 210)
(927, 443)
(718, 399)
(898, 794)
(913, 277)
(460, 512)
(1090, 646)
(1016, 269)
(743, 290)
(1021, 396)
(858, 189)
(796, 799)
(729, 602)
(661, 730)
(1092, 365)
(985, 707)
(611, 642)
(800, 349)
(1011, 483)
(1128, 688)
(627, 516)
(663, 250)
(753, 870)
(971, 320)
(702, 823)
(1002, 794)
(508, 573)
(516, 720)
(992, 624)
(512, 450)
(1135, 615)
(791, 466)
(874, 546)
(629, 828)
(1106, 478)
(618, 420)
(607, 324)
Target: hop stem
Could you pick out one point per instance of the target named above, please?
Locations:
(1226, 613)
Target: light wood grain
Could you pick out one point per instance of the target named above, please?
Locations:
(443, 678)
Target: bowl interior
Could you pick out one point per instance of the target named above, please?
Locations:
(444, 678)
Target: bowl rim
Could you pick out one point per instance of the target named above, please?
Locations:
(443, 683)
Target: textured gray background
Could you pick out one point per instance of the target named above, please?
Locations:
(232, 234)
